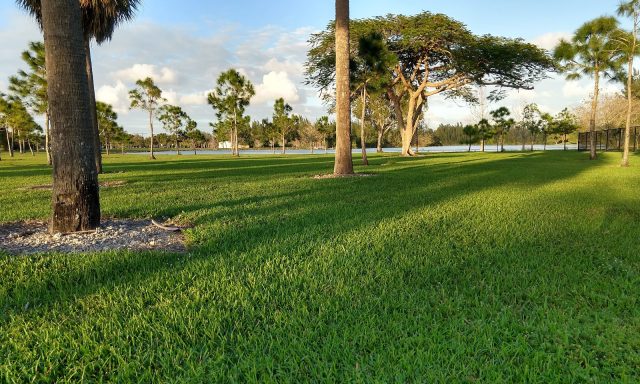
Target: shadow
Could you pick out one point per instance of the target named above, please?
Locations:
(339, 267)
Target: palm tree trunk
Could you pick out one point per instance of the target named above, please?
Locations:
(627, 130)
(75, 200)
(343, 162)
(363, 142)
(47, 135)
(92, 101)
(594, 108)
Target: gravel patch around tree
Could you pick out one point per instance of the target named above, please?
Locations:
(113, 235)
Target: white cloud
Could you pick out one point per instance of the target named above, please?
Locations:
(116, 95)
(198, 98)
(275, 85)
(136, 72)
(171, 96)
(550, 40)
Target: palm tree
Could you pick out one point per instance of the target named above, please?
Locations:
(592, 52)
(628, 45)
(343, 163)
(75, 201)
(99, 21)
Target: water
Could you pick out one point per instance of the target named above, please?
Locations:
(443, 149)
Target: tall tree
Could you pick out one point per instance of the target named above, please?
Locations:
(591, 52)
(628, 46)
(436, 54)
(232, 95)
(343, 163)
(485, 131)
(195, 135)
(147, 97)
(532, 121)
(382, 117)
(31, 86)
(283, 121)
(100, 18)
(174, 119)
(471, 133)
(325, 128)
(75, 201)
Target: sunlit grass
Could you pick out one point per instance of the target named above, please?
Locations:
(448, 268)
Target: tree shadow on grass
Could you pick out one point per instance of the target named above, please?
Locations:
(313, 209)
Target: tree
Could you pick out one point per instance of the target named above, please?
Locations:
(532, 121)
(485, 131)
(100, 18)
(107, 124)
(591, 52)
(382, 117)
(147, 97)
(628, 46)
(195, 135)
(21, 123)
(343, 162)
(369, 76)
(75, 201)
(282, 121)
(502, 124)
(309, 134)
(436, 54)
(471, 132)
(564, 124)
(232, 95)
(32, 86)
(326, 129)
(173, 119)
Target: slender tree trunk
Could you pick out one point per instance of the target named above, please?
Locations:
(177, 147)
(379, 144)
(326, 145)
(9, 143)
(343, 163)
(544, 138)
(564, 140)
(152, 156)
(47, 135)
(363, 142)
(30, 147)
(502, 142)
(108, 145)
(75, 200)
(284, 144)
(627, 130)
(92, 101)
(482, 145)
(594, 108)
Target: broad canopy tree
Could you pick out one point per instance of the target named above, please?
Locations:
(174, 120)
(434, 54)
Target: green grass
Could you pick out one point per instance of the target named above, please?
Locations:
(449, 268)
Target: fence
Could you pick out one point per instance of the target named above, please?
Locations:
(608, 140)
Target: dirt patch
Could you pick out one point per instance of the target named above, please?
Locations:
(332, 176)
(104, 184)
(113, 235)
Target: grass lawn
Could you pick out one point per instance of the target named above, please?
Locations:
(448, 268)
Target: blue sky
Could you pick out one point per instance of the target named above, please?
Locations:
(185, 45)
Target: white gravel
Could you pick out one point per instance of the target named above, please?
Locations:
(136, 235)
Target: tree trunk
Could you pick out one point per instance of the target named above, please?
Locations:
(177, 147)
(482, 145)
(9, 143)
(152, 157)
(92, 101)
(47, 135)
(565, 141)
(379, 145)
(363, 142)
(108, 145)
(502, 142)
(343, 162)
(30, 148)
(594, 107)
(75, 200)
(627, 130)
(284, 144)
(544, 138)
(408, 132)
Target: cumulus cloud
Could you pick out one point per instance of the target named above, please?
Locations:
(275, 85)
(198, 98)
(117, 95)
(550, 40)
(136, 72)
